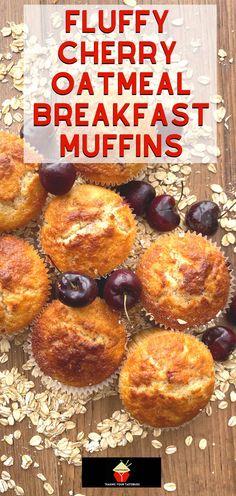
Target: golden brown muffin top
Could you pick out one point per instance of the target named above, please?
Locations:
(24, 283)
(109, 174)
(167, 377)
(185, 280)
(79, 346)
(91, 229)
(14, 173)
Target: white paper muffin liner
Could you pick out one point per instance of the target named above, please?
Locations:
(198, 329)
(110, 184)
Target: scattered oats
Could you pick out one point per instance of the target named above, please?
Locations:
(216, 188)
(8, 439)
(48, 488)
(219, 114)
(222, 405)
(35, 441)
(3, 358)
(17, 434)
(225, 241)
(129, 437)
(9, 461)
(188, 440)
(170, 450)
(7, 119)
(26, 461)
(5, 475)
(233, 396)
(232, 421)
(94, 436)
(202, 444)
(3, 486)
(212, 168)
(5, 345)
(41, 477)
(156, 432)
(222, 53)
(156, 444)
(70, 425)
(170, 487)
(216, 99)
(130, 3)
(6, 31)
(19, 491)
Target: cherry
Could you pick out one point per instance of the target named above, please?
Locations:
(220, 340)
(122, 289)
(202, 217)
(57, 178)
(138, 195)
(231, 312)
(76, 290)
(42, 138)
(162, 213)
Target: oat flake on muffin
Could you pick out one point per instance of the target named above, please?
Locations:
(90, 230)
(185, 280)
(167, 378)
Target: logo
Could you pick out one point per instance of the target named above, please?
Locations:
(122, 471)
(115, 473)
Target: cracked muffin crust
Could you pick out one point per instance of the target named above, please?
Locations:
(185, 280)
(90, 230)
(22, 195)
(24, 284)
(79, 346)
(167, 378)
(109, 174)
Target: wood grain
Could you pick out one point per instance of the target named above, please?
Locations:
(195, 472)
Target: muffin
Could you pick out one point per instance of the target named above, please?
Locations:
(167, 378)
(79, 346)
(185, 280)
(90, 230)
(24, 284)
(109, 174)
(21, 195)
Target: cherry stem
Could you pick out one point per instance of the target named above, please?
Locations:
(226, 211)
(182, 192)
(125, 307)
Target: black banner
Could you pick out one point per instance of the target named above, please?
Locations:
(121, 472)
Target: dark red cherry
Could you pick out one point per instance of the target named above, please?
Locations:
(162, 214)
(202, 217)
(57, 178)
(220, 340)
(231, 312)
(138, 195)
(76, 290)
(120, 283)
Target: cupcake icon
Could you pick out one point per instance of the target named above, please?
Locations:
(122, 471)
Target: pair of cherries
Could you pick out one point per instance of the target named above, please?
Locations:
(162, 210)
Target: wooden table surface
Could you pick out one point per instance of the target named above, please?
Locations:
(195, 472)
